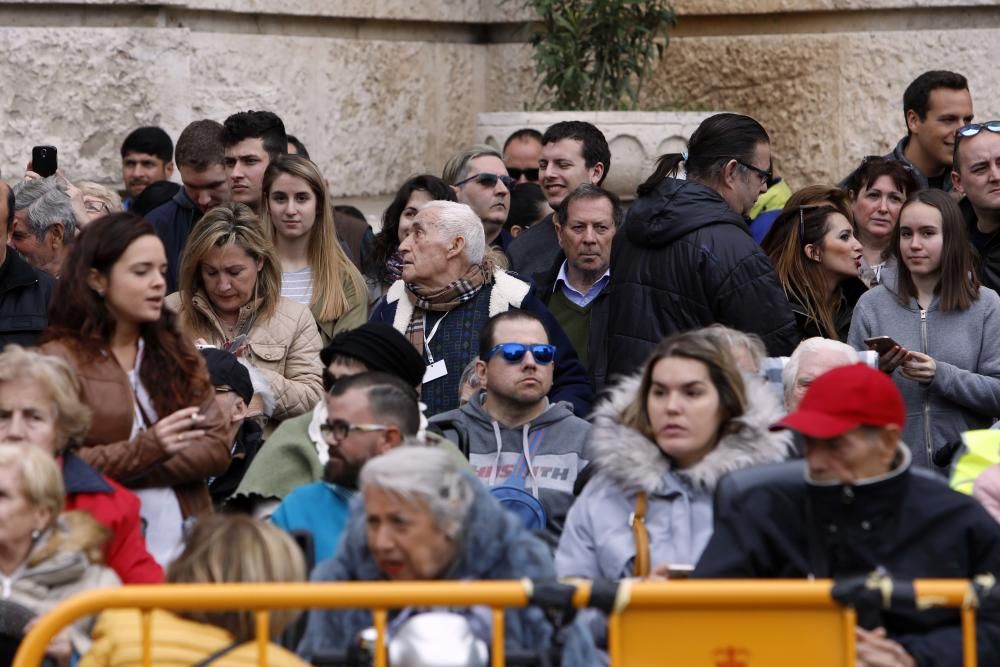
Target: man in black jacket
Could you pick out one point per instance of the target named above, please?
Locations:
(24, 290)
(857, 507)
(977, 176)
(685, 258)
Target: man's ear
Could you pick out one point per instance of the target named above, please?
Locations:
(169, 169)
(391, 437)
(888, 443)
(559, 232)
(728, 175)
(912, 120)
(481, 372)
(597, 173)
(240, 411)
(457, 247)
(58, 231)
(956, 181)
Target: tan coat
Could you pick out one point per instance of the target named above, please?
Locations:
(143, 462)
(285, 348)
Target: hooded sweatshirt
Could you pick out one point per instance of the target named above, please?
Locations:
(965, 392)
(598, 543)
(683, 260)
(542, 457)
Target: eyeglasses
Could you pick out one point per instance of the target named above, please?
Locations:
(972, 129)
(802, 220)
(512, 353)
(765, 176)
(337, 429)
(91, 206)
(488, 180)
(531, 174)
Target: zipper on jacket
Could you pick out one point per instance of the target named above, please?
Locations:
(928, 445)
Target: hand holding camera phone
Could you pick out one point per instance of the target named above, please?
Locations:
(44, 160)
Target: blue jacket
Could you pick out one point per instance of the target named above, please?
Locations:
(321, 508)
(173, 222)
(493, 545)
(457, 340)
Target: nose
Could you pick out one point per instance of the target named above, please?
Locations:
(589, 236)
(883, 204)
(13, 430)
(204, 199)
(856, 244)
(381, 540)
(405, 244)
(522, 179)
(548, 171)
(673, 403)
(817, 458)
(501, 188)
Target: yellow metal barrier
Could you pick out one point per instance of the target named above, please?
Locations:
(727, 623)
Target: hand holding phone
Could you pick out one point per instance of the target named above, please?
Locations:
(890, 353)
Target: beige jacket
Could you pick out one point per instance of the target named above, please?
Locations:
(285, 348)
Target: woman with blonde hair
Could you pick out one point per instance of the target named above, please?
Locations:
(219, 550)
(315, 270)
(45, 556)
(40, 408)
(230, 297)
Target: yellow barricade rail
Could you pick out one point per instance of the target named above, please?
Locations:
(721, 623)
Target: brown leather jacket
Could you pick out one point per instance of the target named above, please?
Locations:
(142, 462)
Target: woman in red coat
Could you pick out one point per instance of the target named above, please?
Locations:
(40, 407)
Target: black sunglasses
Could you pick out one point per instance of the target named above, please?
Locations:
(531, 173)
(489, 180)
(766, 176)
(512, 353)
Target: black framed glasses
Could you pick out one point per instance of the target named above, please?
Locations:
(972, 129)
(531, 173)
(96, 206)
(335, 430)
(802, 220)
(765, 176)
(513, 353)
(488, 180)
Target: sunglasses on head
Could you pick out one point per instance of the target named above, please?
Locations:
(802, 220)
(531, 173)
(489, 180)
(972, 129)
(513, 353)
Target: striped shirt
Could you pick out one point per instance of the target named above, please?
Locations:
(297, 286)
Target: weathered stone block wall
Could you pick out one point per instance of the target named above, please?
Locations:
(382, 89)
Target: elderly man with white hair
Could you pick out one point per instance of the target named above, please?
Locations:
(422, 517)
(448, 291)
(812, 358)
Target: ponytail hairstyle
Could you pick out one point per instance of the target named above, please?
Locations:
(958, 284)
(719, 139)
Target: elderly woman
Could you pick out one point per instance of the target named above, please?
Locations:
(447, 293)
(98, 200)
(40, 407)
(45, 557)
(423, 518)
(220, 550)
(230, 297)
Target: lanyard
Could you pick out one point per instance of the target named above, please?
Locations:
(428, 339)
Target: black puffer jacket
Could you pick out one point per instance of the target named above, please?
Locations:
(684, 259)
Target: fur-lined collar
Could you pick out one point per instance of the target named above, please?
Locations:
(635, 463)
(508, 292)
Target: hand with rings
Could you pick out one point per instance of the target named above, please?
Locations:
(178, 430)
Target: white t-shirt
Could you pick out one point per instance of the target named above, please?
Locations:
(297, 286)
(160, 510)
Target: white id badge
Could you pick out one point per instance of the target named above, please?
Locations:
(435, 371)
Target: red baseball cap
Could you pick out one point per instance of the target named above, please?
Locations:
(843, 399)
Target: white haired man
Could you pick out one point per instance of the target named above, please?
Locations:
(446, 295)
(812, 358)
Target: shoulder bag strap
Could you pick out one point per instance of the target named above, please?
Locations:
(640, 566)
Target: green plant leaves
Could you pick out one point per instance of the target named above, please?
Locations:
(595, 54)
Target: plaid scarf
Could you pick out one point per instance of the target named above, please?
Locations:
(451, 296)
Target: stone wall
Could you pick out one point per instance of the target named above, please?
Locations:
(382, 89)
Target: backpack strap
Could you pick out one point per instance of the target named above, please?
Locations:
(637, 520)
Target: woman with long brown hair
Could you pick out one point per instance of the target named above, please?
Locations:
(941, 324)
(817, 258)
(155, 427)
(315, 271)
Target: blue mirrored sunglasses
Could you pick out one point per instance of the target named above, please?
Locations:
(972, 129)
(513, 353)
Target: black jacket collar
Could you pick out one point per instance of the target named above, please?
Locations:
(16, 272)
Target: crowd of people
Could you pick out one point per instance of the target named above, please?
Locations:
(234, 380)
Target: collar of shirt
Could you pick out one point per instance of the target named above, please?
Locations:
(572, 294)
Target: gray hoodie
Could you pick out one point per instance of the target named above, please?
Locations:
(965, 392)
(543, 456)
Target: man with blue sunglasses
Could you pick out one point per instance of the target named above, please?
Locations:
(517, 441)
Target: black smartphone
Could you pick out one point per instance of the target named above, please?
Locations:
(880, 344)
(44, 160)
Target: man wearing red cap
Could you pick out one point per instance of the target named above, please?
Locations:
(858, 508)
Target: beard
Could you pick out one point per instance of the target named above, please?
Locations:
(342, 472)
